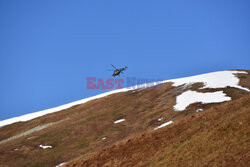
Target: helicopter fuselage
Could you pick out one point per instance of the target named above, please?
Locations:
(116, 72)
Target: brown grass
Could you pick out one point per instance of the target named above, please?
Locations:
(81, 128)
(216, 137)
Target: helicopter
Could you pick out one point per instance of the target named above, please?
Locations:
(118, 71)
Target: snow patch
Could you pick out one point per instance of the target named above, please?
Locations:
(220, 79)
(61, 164)
(190, 97)
(137, 90)
(119, 120)
(160, 119)
(198, 110)
(163, 125)
(44, 147)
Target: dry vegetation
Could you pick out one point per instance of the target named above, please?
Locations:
(217, 137)
(77, 131)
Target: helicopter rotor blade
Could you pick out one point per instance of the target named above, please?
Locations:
(113, 66)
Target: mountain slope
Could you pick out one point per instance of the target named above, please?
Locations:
(217, 137)
(89, 127)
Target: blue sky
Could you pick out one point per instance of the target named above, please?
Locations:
(49, 47)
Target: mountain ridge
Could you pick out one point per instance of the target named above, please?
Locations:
(177, 82)
(90, 127)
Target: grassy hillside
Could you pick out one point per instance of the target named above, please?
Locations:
(78, 131)
(217, 137)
